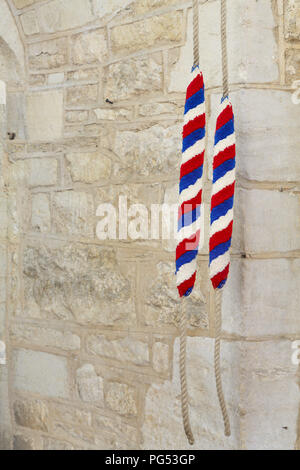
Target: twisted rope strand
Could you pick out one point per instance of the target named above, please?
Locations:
(218, 327)
(224, 48)
(183, 380)
(196, 32)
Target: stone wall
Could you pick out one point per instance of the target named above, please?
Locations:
(91, 326)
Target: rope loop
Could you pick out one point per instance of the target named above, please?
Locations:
(218, 376)
(196, 32)
(224, 48)
(183, 379)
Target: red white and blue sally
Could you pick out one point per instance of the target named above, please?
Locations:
(191, 185)
(221, 216)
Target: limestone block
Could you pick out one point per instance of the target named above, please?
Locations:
(128, 349)
(292, 19)
(121, 398)
(32, 414)
(82, 95)
(24, 3)
(48, 54)
(40, 218)
(89, 47)
(45, 115)
(58, 16)
(162, 306)
(160, 359)
(86, 284)
(149, 32)
(155, 150)
(42, 172)
(29, 23)
(292, 65)
(134, 77)
(47, 337)
(73, 213)
(89, 385)
(88, 167)
(42, 373)
(262, 298)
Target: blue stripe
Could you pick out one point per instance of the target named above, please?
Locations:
(221, 170)
(221, 209)
(189, 218)
(191, 139)
(219, 250)
(189, 291)
(222, 283)
(186, 258)
(190, 178)
(194, 101)
(224, 131)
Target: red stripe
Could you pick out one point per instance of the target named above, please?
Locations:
(222, 195)
(195, 86)
(194, 125)
(190, 205)
(182, 288)
(221, 237)
(225, 116)
(189, 244)
(222, 276)
(192, 164)
(224, 155)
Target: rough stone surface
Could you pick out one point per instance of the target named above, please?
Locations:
(89, 385)
(40, 218)
(121, 398)
(134, 77)
(293, 65)
(47, 337)
(42, 172)
(88, 167)
(160, 357)
(45, 115)
(154, 31)
(162, 305)
(153, 151)
(72, 213)
(89, 47)
(292, 19)
(32, 414)
(58, 16)
(122, 349)
(47, 54)
(84, 283)
(82, 95)
(42, 373)
(24, 3)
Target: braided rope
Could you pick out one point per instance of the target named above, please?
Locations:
(224, 48)
(196, 32)
(218, 327)
(183, 380)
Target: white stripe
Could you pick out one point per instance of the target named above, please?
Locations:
(223, 182)
(219, 264)
(223, 144)
(186, 271)
(189, 231)
(191, 152)
(221, 223)
(195, 73)
(190, 192)
(193, 113)
(223, 105)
